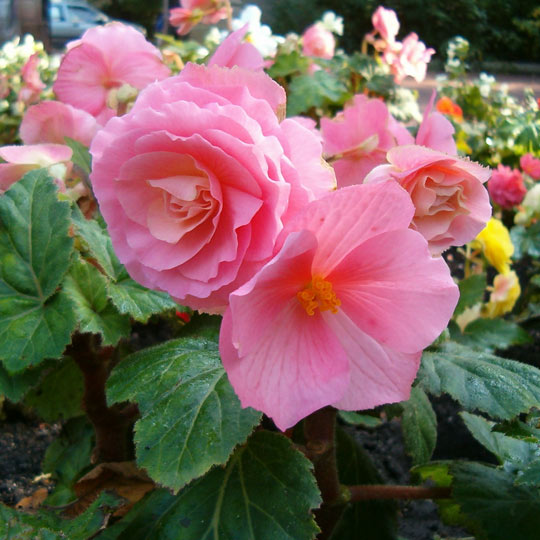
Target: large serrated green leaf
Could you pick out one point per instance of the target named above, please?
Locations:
(526, 240)
(135, 300)
(35, 253)
(507, 449)
(191, 419)
(368, 520)
(491, 334)
(87, 288)
(266, 492)
(495, 508)
(14, 387)
(478, 380)
(59, 395)
(419, 426)
(81, 156)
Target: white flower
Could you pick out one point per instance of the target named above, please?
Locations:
(332, 22)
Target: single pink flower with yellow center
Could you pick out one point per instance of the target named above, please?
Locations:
(341, 314)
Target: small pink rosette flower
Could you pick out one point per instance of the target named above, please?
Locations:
(103, 60)
(410, 60)
(198, 179)
(318, 42)
(359, 138)
(341, 314)
(530, 165)
(506, 187)
(52, 121)
(32, 87)
(451, 203)
(193, 12)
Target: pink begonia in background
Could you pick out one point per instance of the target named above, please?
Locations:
(359, 138)
(506, 186)
(197, 180)
(411, 59)
(385, 22)
(233, 51)
(341, 314)
(530, 165)
(51, 121)
(103, 60)
(22, 159)
(193, 12)
(451, 203)
(32, 84)
(318, 42)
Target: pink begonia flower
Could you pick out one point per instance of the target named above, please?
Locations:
(193, 12)
(233, 51)
(22, 159)
(451, 202)
(530, 165)
(319, 42)
(32, 83)
(385, 22)
(196, 181)
(411, 59)
(360, 136)
(103, 60)
(436, 131)
(506, 187)
(341, 314)
(51, 121)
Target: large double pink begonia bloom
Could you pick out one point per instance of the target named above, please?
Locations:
(197, 180)
(341, 314)
(451, 203)
(104, 59)
(359, 137)
(52, 121)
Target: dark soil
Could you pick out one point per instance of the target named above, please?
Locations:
(419, 520)
(23, 442)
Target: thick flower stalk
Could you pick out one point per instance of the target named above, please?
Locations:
(341, 314)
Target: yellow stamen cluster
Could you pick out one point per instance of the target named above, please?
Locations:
(318, 293)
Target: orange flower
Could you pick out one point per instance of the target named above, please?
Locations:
(446, 106)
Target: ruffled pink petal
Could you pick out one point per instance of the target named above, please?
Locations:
(394, 291)
(233, 52)
(349, 217)
(42, 155)
(436, 131)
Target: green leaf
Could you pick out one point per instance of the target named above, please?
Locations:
(287, 64)
(506, 449)
(317, 90)
(59, 394)
(87, 288)
(137, 301)
(97, 242)
(478, 380)
(419, 426)
(81, 156)
(438, 473)
(491, 334)
(526, 240)
(530, 475)
(357, 419)
(266, 492)
(471, 292)
(35, 253)
(495, 508)
(191, 418)
(14, 387)
(368, 520)
(68, 457)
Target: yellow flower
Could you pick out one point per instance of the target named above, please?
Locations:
(506, 291)
(494, 240)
